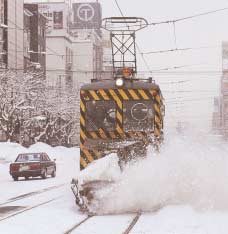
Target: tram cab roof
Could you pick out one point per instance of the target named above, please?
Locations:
(128, 84)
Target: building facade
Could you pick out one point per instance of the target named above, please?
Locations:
(59, 54)
(220, 114)
(34, 38)
(87, 49)
(2, 32)
(14, 35)
(74, 53)
(107, 55)
(87, 45)
(216, 117)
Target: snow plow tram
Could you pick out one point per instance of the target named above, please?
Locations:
(123, 114)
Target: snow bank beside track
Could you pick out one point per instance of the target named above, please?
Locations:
(67, 159)
(9, 151)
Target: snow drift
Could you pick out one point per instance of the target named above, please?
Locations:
(67, 159)
(9, 151)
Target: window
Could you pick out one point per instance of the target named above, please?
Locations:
(45, 157)
(48, 157)
(28, 157)
(100, 114)
(138, 115)
(43, 32)
(69, 81)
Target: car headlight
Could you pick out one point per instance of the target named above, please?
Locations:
(119, 82)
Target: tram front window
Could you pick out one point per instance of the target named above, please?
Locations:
(100, 114)
(138, 115)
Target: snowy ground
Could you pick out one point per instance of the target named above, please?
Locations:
(188, 180)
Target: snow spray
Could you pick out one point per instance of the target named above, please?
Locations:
(187, 171)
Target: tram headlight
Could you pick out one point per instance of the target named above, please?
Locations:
(119, 82)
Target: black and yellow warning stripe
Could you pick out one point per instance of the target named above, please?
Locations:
(118, 95)
(157, 113)
(86, 156)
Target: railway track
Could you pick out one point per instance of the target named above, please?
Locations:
(26, 195)
(69, 231)
(28, 209)
(132, 224)
(126, 231)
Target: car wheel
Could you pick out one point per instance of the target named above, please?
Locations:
(15, 178)
(44, 174)
(53, 174)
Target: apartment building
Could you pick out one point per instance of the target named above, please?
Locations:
(34, 38)
(12, 18)
(59, 55)
(87, 41)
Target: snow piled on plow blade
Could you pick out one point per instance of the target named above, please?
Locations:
(106, 168)
(188, 171)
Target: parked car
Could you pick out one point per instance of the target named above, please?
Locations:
(32, 165)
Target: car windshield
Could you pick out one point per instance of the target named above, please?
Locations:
(28, 157)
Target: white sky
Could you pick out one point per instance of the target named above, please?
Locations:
(209, 30)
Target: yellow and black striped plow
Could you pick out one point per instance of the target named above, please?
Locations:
(157, 113)
(118, 95)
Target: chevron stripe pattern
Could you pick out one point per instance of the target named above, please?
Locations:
(119, 96)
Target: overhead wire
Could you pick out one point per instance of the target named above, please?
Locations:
(189, 17)
(182, 18)
(180, 49)
(177, 67)
(200, 14)
(186, 18)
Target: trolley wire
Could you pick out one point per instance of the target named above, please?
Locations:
(197, 15)
(180, 49)
(173, 22)
(183, 18)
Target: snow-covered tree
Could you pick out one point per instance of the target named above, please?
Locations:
(19, 94)
(60, 116)
(30, 108)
